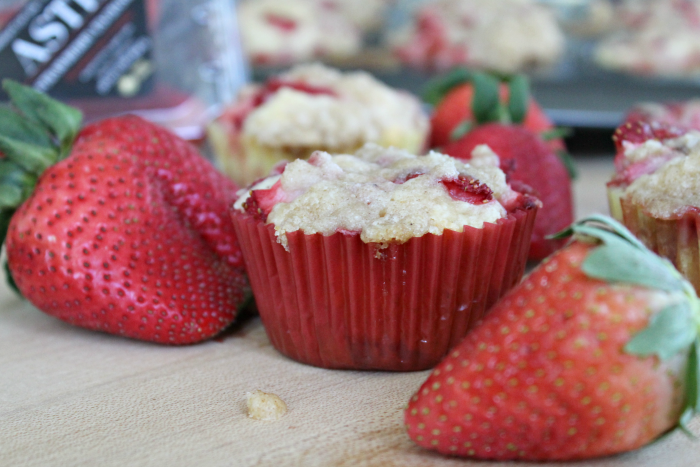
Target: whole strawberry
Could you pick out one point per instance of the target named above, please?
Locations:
(594, 353)
(125, 229)
(526, 159)
(454, 96)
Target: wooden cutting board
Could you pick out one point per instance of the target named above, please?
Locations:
(70, 397)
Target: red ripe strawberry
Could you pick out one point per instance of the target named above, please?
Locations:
(455, 108)
(525, 158)
(127, 230)
(465, 99)
(593, 354)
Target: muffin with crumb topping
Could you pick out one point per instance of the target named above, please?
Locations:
(655, 191)
(381, 259)
(309, 108)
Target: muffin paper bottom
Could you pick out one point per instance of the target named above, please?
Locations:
(337, 302)
(675, 239)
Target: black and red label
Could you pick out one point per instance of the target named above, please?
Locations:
(79, 48)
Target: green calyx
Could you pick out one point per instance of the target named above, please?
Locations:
(36, 131)
(487, 105)
(622, 258)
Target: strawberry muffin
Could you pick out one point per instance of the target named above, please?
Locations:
(684, 114)
(313, 107)
(381, 259)
(654, 37)
(655, 191)
(278, 33)
(506, 36)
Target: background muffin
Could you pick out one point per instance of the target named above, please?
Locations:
(313, 107)
(655, 191)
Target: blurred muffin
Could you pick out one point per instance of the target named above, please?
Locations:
(279, 33)
(367, 16)
(313, 107)
(382, 259)
(678, 114)
(655, 191)
(655, 37)
(505, 36)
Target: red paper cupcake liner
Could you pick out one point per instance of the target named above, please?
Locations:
(337, 302)
(676, 239)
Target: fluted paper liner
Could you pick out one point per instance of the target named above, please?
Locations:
(337, 302)
(674, 238)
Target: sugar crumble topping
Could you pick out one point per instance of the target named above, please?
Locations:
(673, 186)
(362, 110)
(386, 194)
(670, 189)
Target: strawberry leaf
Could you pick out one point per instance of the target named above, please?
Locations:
(556, 133)
(486, 104)
(619, 261)
(518, 98)
(693, 378)
(692, 390)
(10, 196)
(17, 127)
(461, 130)
(670, 331)
(31, 157)
(438, 88)
(5, 216)
(63, 121)
(603, 223)
(569, 164)
(11, 280)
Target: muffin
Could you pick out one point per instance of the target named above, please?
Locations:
(276, 33)
(381, 260)
(654, 37)
(504, 36)
(655, 190)
(313, 107)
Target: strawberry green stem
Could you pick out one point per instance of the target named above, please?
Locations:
(486, 105)
(36, 131)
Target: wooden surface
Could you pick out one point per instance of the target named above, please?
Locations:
(74, 397)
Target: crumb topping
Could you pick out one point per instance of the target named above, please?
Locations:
(386, 194)
(362, 110)
(670, 189)
(265, 406)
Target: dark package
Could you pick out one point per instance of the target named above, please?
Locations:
(174, 62)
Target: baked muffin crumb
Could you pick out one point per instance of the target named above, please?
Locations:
(265, 406)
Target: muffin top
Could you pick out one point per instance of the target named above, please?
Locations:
(667, 179)
(277, 32)
(385, 194)
(504, 36)
(321, 107)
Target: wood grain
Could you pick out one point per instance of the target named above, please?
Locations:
(75, 397)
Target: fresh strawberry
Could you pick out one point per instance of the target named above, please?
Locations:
(125, 230)
(594, 353)
(454, 98)
(525, 158)
(455, 109)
